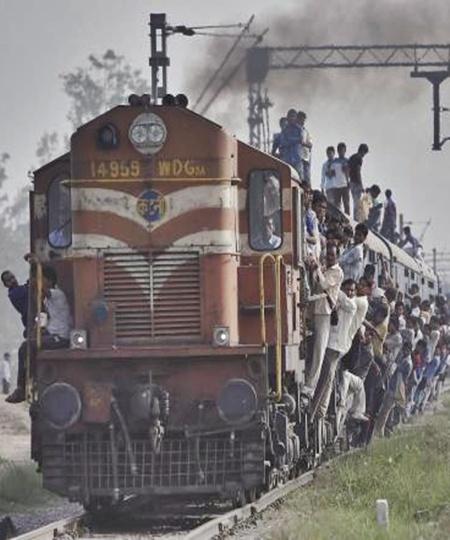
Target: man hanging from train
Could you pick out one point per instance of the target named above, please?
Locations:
(328, 283)
(58, 319)
(339, 343)
(18, 296)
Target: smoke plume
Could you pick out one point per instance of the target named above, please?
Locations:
(325, 22)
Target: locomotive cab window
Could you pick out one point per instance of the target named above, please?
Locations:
(59, 213)
(264, 204)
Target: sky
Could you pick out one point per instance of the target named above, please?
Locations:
(40, 39)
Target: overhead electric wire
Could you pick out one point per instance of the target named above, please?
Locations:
(224, 61)
(231, 75)
(212, 34)
(211, 26)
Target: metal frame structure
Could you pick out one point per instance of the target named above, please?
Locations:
(158, 55)
(261, 60)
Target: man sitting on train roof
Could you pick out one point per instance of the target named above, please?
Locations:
(409, 243)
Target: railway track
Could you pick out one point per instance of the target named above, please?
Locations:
(214, 526)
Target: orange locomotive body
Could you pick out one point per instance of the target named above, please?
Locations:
(185, 358)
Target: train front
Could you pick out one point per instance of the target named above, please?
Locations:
(155, 395)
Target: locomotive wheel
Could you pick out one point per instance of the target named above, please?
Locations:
(101, 509)
(239, 499)
(251, 495)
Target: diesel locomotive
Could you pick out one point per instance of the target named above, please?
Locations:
(181, 251)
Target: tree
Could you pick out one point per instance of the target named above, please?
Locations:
(51, 146)
(13, 245)
(104, 83)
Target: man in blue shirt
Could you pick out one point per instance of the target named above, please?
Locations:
(276, 144)
(18, 296)
(291, 142)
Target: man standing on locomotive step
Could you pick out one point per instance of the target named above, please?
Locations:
(329, 283)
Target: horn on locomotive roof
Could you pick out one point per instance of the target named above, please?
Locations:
(138, 101)
(168, 100)
(180, 100)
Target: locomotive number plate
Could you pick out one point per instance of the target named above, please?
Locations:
(115, 169)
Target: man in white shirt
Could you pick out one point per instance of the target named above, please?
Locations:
(59, 324)
(352, 260)
(338, 344)
(327, 171)
(351, 388)
(6, 373)
(329, 281)
(339, 193)
(305, 149)
(392, 345)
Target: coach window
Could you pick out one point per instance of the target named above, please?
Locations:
(264, 203)
(59, 213)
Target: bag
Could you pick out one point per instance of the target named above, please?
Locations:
(334, 317)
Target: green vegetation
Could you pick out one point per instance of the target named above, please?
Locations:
(21, 487)
(411, 470)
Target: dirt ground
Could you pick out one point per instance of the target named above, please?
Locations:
(14, 431)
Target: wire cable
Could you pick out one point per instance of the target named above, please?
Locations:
(224, 61)
(231, 75)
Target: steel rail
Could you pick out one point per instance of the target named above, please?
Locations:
(225, 523)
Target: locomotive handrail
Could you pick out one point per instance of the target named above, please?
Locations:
(277, 260)
(38, 337)
(38, 303)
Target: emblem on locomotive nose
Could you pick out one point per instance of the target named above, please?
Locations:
(151, 205)
(148, 133)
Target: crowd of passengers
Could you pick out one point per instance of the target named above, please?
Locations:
(341, 177)
(384, 350)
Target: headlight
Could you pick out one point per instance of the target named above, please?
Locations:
(237, 402)
(107, 137)
(148, 133)
(60, 405)
(221, 336)
(78, 339)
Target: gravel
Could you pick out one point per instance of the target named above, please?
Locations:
(40, 516)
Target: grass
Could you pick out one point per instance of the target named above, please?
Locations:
(21, 487)
(411, 470)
